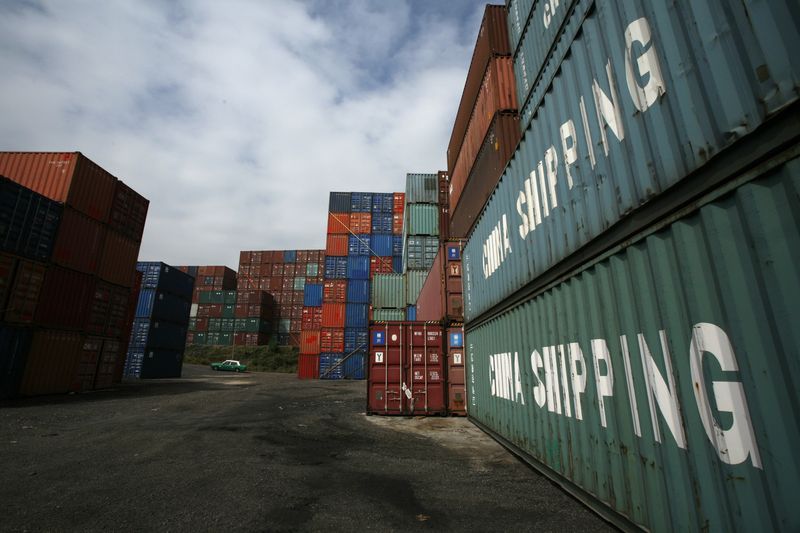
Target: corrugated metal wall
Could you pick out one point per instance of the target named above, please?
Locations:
(662, 379)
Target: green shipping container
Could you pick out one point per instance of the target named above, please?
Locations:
(228, 310)
(415, 279)
(229, 297)
(252, 325)
(658, 383)
(422, 188)
(192, 324)
(388, 315)
(284, 325)
(219, 339)
(211, 297)
(422, 219)
(312, 270)
(220, 324)
(388, 291)
(200, 338)
(299, 283)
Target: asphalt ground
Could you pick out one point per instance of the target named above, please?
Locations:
(216, 451)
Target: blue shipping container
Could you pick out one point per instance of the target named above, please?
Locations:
(358, 291)
(158, 275)
(382, 245)
(336, 267)
(356, 315)
(358, 244)
(361, 202)
(162, 306)
(357, 267)
(381, 222)
(146, 333)
(28, 221)
(14, 345)
(382, 203)
(289, 256)
(411, 312)
(353, 366)
(153, 364)
(330, 366)
(356, 339)
(339, 202)
(313, 295)
(397, 245)
(397, 264)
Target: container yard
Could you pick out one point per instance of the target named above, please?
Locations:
(587, 317)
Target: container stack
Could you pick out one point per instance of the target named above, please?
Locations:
(441, 300)
(209, 278)
(364, 239)
(486, 129)
(631, 285)
(70, 238)
(158, 336)
(283, 274)
(389, 300)
(311, 326)
(421, 231)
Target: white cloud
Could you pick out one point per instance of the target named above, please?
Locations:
(236, 118)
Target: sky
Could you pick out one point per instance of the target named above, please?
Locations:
(237, 118)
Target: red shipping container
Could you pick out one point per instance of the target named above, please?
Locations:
(302, 256)
(456, 379)
(253, 297)
(201, 324)
(68, 177)
(118, 261)
(298, 297)
(334, 291)
(332, 340)
(288, 285)
(244, 258)
(209, 310)
(310, 342)
(52, 362)
(308, 366)
(297, 311)
(276, 284)
(311, 318)
(296, 327)
(441, 296)
(338, 223)
(399, 202)
(111, 354)
(336, 245)
(380, 265)
(333, 315)
(116, 325)
(250, 339)
(444, 205)
(79, 242)
(99, 309)
(128, 212)
(293, 339)
(361, 223)
(87, 364)
(275, 256)
(397, 223)
(24, 291)
(406, 369)
(264, 270)
(253, 311)
(65, 299)
(277, 270)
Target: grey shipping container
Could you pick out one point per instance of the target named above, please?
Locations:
(642, 100)
(388, 291)
(388, 315)
(658, 383)
(422, 189)
(422, 219)
(415, 279)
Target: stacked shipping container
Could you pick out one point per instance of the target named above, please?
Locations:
(208, 278)
(421, 230)
(283, 274)
(68, 265)
(158, 335)
(650, 323)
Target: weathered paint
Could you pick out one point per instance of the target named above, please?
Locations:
(388, 291)
(670, 100)
(415, 279)
(660, 380)
(421, 189)
(422, 219)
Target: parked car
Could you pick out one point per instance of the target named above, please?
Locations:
(229, 365)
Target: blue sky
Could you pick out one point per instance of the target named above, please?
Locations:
(235, 119)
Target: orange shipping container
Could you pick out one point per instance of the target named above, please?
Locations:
(111, 354)
(332, 340)
(309, 342)
(52, 362)
(333, 315)
(79, 243)
(311, 318)
(338, 223)
(308, 366)
(68, 177)
(399, 202)
(361, 222)
(118, 261)
(334, 291)
(336, 246)
(397, 223)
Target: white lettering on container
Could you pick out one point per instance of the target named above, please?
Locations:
(638, 31)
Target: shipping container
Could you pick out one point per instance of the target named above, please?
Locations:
(354, 365)
(381, 223)
(289, 256)
(331, 366)
(118, 260)
(358, 291)
(157, 304)
(165, 277)
(14, 345)
(338, 223)
(110, 356)
(380, 265)
(69, 178)
(28, 221)
(312, 270)
(469, 191)
(389, 291)
(312, 296)
(422, 219)
(126, 326)
(88, 361)
(336, 245)
(308, 366)
(415, 279)
(24, 292)
(8, 264)
(331, 340)
(361, 222)
(360, 202)
(441, 295)
(498, 93)
(397, 263)
(79, 242)
(381, 244)
(421, 189)
(358, 267)
(443, 179)
(356, 315)
(335, 267)
(333, 315)
(456, 378)
(382, 202)
(359, 245)
(397, 222)
(311, 318)
(250, 339)
(310, 342)
(160, 364)
(65, 299)
(492, 41)
(128, 212)
(411, 313)
(356, 339)
(162, 334)
(52, 363)
(650, 123)
(420, 252)
(667, 363)
(388, 315)
(334, 291)
(406, 369)
(339, 202)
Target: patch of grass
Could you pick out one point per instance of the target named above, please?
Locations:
(257, 358)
